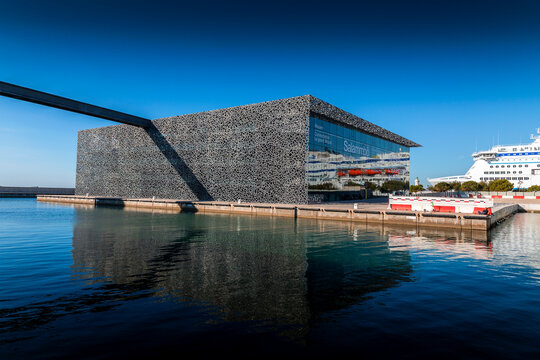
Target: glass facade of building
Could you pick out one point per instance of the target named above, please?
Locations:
(341, 158)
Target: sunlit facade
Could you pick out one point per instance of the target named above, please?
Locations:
(342, 158)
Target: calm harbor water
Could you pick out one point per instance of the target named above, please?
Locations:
(85, 283)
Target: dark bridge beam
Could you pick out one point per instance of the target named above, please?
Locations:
(39, 97)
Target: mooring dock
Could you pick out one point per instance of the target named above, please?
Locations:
(368, 212)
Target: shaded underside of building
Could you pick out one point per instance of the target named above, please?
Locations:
(282, 151)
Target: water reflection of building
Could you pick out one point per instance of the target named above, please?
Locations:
(216, 260)
(253, 268)
(514, 242)
(459, 244)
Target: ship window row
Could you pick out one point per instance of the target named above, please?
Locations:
(519, 154)
(500, 172)
(522, 149)
(501, 178)
(510, 166)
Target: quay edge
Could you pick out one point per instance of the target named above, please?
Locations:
(345, 212)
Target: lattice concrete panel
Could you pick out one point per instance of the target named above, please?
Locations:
(255, 153)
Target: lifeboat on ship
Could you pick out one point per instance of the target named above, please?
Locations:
(373, 172)
(356, 172)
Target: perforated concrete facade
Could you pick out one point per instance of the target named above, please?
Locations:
(255, 153)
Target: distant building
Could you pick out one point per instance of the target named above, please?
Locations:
(284, 151)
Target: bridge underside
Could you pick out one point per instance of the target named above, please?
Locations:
(59, 102)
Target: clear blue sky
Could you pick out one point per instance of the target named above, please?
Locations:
(450, 75)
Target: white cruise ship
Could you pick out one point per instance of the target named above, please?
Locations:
(519, 164)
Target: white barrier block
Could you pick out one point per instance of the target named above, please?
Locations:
(461, 205)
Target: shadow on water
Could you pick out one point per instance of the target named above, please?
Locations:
(178, 164)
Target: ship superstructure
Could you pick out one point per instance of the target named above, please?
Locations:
(519, 164)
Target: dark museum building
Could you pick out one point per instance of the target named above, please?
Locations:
(284, 151)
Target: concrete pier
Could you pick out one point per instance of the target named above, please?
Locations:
(33, 191)
(364, 212)
(528, 205)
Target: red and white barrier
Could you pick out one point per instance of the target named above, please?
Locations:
(440, 204)
(515, 197)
